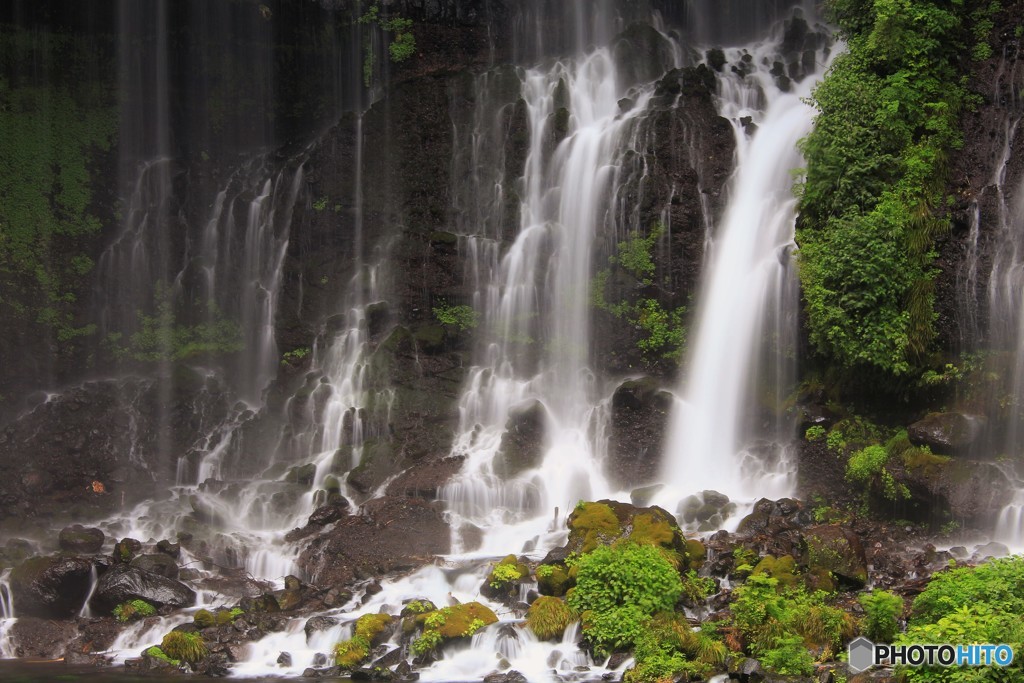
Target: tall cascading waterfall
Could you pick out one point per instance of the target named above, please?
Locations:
(996, 237)
(727, 432)
(534, 298)
(201, 248)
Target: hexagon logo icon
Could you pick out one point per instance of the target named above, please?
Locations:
(861, 655)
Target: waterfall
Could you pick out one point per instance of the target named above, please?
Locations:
(533, 354)
(726, 432)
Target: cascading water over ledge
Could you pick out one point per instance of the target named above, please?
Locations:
(728, 433)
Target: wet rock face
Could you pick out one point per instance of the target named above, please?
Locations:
(640, 413)
(51, 587)
(947, 433)
(80, 539)
(42, 638)
(392, 534)
(834, 549)
(522, 444)
(124, 583)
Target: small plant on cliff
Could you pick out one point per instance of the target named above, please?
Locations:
(461, 317)
(815, 433)
(134, 609)
(401, 47)
(188, 647)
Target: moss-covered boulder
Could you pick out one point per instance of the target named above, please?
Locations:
(504, 579)
(553, 580)
(605, 522)
(548, 617)
(370, 630)
(451, 623)
(126, 549)
(783, 569)
(838, 551)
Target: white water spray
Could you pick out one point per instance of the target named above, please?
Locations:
(745, 329)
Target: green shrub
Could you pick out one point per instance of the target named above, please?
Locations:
(548, 617)
(872, 204)
(999, 583)
(882, 610)
(617, 588)
(789, 657)
(134, 609)
(815, 433)
(461, 317)
(187, 647)
(503, 576)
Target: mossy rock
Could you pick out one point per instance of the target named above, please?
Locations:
(782, 569)
(184, 646)
(431, 338)
(414, 608)
(504, 577)
(125, 550)
(301, 474)
(696, 553)
(832, 548)
(606, 522)
(553, 580)
(548, 617)
(370, 630)
(455, 621)
(591, 525)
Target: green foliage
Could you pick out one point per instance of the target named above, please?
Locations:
(401, 47)
(295, 356)
(815, 433)
(664, 334)
(427, 641)
(548, 617)
(697, 588)
(779, 624)
(789, 657)
(668, 649)
(461, 317)
(55, 126)
(157, 653)
(188, 647)
(970, 605)
(881, 613)
(350, 653)
(504, 575)
(320, 204)
(132, 610)
(999, 583)
(866, 464)
(634, 255)
(871, 204)
(617, 588)
(457, 621)
(835, 441)
(161, 337)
